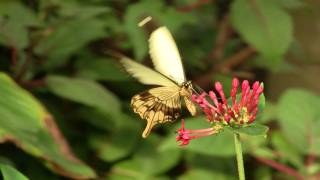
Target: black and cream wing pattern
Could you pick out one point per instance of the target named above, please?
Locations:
(157, 105)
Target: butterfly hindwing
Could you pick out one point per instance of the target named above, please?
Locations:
(157, 105)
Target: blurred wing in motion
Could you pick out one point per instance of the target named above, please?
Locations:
(144, 74)
(165, 55)
(157, 105)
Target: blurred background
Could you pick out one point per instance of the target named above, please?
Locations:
(65, 102)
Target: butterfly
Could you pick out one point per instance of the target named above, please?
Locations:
(160, 104)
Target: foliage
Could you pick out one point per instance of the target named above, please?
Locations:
(9, 173)
(65, 100)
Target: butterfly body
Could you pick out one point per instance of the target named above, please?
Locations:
(161, 104)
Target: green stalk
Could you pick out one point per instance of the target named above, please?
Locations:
(238, 147)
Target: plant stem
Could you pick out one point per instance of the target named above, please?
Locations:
(238, 147)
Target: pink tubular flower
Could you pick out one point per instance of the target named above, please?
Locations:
(185, 135)
(241, 110)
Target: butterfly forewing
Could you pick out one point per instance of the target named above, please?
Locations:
(144, 74)
(165, 55)
(157, 105)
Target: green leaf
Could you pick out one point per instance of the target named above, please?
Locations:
(217, 166)
(253, 130)
(27, 123)
(198, 174)
(15, 19)
(263, 173)
(67, 37)
(274, 65)
(203, 145)
(124, 138)
(264, 152)
(315, 136)
(256, 145)
(96, 118)
(86, 92)
(299, 118)
(153, 160)
(75, 9)
(293, 4)
(269, 113)
(101, 69)
(129, 169)
(262, 103)
(147, 162)
(263, 24)
(9, 173)
(287, 151)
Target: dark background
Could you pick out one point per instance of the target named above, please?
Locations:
(64, 98)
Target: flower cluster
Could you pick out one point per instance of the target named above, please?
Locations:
(239, 111)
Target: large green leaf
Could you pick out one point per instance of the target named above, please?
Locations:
(27, 123)
(9, 173)
(263, 24)
(299, 117)
(85, 91)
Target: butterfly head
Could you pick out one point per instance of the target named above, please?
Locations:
(187, 84)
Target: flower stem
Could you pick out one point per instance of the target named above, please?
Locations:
(238, 147)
